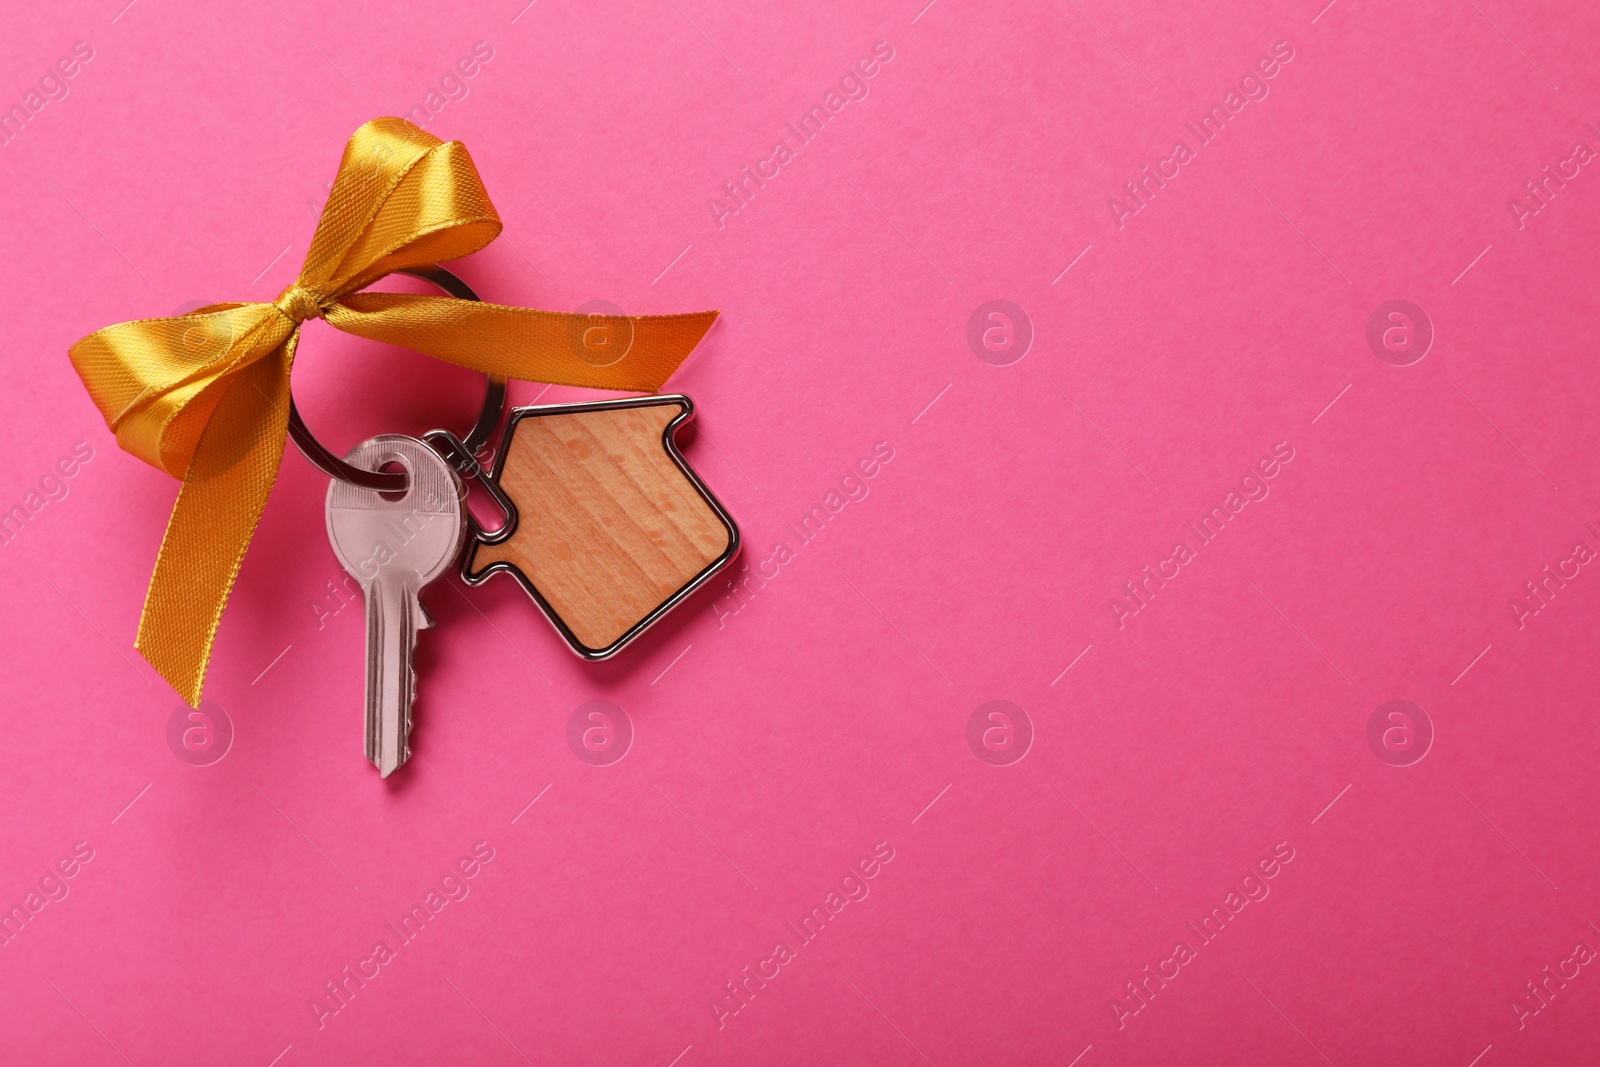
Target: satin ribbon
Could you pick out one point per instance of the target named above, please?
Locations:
(205, 397)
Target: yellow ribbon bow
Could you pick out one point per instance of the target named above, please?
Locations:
(205, 397)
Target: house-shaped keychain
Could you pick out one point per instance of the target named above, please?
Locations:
(610, 528)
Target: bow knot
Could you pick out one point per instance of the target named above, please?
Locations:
(298, 304)
(205, 397)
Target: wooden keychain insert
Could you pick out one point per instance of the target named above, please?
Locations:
(612, 527)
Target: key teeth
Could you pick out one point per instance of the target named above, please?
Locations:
(405, 742)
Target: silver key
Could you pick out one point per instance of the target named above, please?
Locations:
(394, 548)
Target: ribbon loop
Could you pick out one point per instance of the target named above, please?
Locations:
(205, 397)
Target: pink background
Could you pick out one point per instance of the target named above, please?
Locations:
(776, 746)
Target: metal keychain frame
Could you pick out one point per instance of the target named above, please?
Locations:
(455, 452)
(685, 413)
(494, 405)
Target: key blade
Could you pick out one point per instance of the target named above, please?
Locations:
(391, 678)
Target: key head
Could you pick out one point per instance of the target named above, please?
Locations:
(420, 533)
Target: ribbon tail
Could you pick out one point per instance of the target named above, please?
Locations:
(620, 352)
(213, 520)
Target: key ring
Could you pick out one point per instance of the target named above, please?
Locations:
(494, 401)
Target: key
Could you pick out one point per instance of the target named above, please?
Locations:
(394, 548)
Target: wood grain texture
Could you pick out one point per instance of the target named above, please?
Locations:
(609, 527)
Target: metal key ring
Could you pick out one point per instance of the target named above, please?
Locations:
(494, 401)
